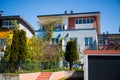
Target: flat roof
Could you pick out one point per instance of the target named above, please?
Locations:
(67, 14)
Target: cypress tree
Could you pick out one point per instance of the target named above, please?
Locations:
(14, 51)
(17, 50)
(71, 53)
(22, 46)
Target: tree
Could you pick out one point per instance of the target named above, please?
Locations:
(71, 53)
(22, 46)
(51, 53)
(48, 29)
(49, 26)
(35, 48)
(16, 50)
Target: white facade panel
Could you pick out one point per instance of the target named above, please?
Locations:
(83, 26)
(65, 22)
(79, 34)
(28, 33)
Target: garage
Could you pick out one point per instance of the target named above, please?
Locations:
(102, 65)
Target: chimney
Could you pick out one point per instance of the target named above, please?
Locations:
(71, 11)
(1, 13)
(119, 29)
(107, 32)
(65, 12)
(103, 33)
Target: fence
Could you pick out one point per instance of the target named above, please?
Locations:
(33, 66)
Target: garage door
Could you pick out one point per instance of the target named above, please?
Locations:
(103, 67)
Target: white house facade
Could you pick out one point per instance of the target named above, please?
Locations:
(81, 27)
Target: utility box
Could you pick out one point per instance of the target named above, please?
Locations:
(102, 65)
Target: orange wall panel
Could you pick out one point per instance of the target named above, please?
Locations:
(71, 23)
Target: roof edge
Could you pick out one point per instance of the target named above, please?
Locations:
(96, 12)
(101, 52)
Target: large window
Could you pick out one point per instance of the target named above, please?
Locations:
(88, 41)
(84, 21)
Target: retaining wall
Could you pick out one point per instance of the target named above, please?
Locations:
(27, 76)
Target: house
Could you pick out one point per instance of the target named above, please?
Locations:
(81, 27)
(6, 24)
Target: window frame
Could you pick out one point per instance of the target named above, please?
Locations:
(88, 41)
(84, 20)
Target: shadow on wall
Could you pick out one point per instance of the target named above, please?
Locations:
(77, 75)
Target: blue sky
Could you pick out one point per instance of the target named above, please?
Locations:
(29, 9)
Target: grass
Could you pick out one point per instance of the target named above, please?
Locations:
(63, 79)
(72, 78)
(47, 70)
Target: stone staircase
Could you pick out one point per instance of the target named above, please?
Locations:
(44, 76)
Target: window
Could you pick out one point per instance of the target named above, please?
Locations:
(2, 42)
(7, 23)
(91, 20)
(76, 21)
(88, 20)
(57, 26)
(55, 40)
(75, 39)
(101, 42)
(84, 21)
(80, 21)
(88, 41)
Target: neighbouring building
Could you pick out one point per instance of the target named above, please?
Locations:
(6, 24)
(109, 41)
(81, 27)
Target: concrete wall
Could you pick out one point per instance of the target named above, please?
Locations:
(57, 75)
(33, 76)
(62, 74)
(27, 76)
(0, 76)
(9, 77)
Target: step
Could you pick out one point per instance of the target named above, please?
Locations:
(44, 76)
